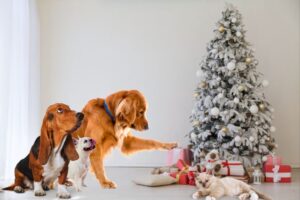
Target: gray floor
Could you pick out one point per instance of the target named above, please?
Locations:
(127, 190)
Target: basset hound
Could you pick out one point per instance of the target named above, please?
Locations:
(50, 154)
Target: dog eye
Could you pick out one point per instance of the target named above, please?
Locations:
(60, 110)
(206, 180)
(85, 141)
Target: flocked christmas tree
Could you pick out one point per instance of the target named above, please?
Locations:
(230, 112)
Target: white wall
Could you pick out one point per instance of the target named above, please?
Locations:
(91, 48)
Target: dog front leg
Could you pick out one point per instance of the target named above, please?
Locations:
(62, 191)
(133, 144)
(37, 184)
(97, 166)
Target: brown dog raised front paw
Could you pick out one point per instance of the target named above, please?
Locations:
(169, 146)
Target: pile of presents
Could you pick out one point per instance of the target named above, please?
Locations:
(180, 167)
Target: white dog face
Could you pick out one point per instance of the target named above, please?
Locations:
(84, 144)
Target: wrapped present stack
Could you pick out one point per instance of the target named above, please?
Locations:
(185, 175)
(275, 171)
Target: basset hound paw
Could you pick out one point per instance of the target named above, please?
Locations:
(19, 189)
(39, 193)
(108, 185)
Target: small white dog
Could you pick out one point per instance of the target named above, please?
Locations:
(78, 169)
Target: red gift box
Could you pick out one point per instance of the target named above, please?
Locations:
(278, 173)
(273, 160)
(184, 176)
(179, 154)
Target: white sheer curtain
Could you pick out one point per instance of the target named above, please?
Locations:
(19, 81)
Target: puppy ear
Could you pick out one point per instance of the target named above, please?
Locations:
(69, 149)
(45, 140)
(126, 111)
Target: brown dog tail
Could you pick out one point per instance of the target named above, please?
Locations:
(11, 187)
(261, 195)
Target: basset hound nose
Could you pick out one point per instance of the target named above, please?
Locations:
(80, 116)
(146, 127)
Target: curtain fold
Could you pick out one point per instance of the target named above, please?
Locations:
(19, 82)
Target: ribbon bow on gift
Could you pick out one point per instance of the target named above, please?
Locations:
(184, 176)
(277, 176)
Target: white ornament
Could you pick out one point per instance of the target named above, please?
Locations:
(233, 20)
(236, 100)
(231, 65)
(235, 150)
(265, 83)
(251, 138)
(214, 111)
(237, 138)
(272, 129)
(264, 158)
(238, 34)
(220, 95)
(254, 109)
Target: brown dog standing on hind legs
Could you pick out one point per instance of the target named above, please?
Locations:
(108, 121)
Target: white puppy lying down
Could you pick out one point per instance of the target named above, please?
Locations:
(78, 169)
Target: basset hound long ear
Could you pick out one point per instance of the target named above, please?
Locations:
(126, 110)
(69, 149)
(46, 142)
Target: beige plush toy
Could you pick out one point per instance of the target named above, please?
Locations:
(213, 162)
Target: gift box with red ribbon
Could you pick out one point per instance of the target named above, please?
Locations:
(278, 173)
(273, 160)
(232, 168)
(184, 176)
(176, 154)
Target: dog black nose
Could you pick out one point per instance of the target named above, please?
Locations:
(80, 116)
(146, 127)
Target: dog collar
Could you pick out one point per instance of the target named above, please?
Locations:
(108, 112)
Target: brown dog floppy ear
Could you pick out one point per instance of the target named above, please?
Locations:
(69, 149)
(126, 111)
(46, 143)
